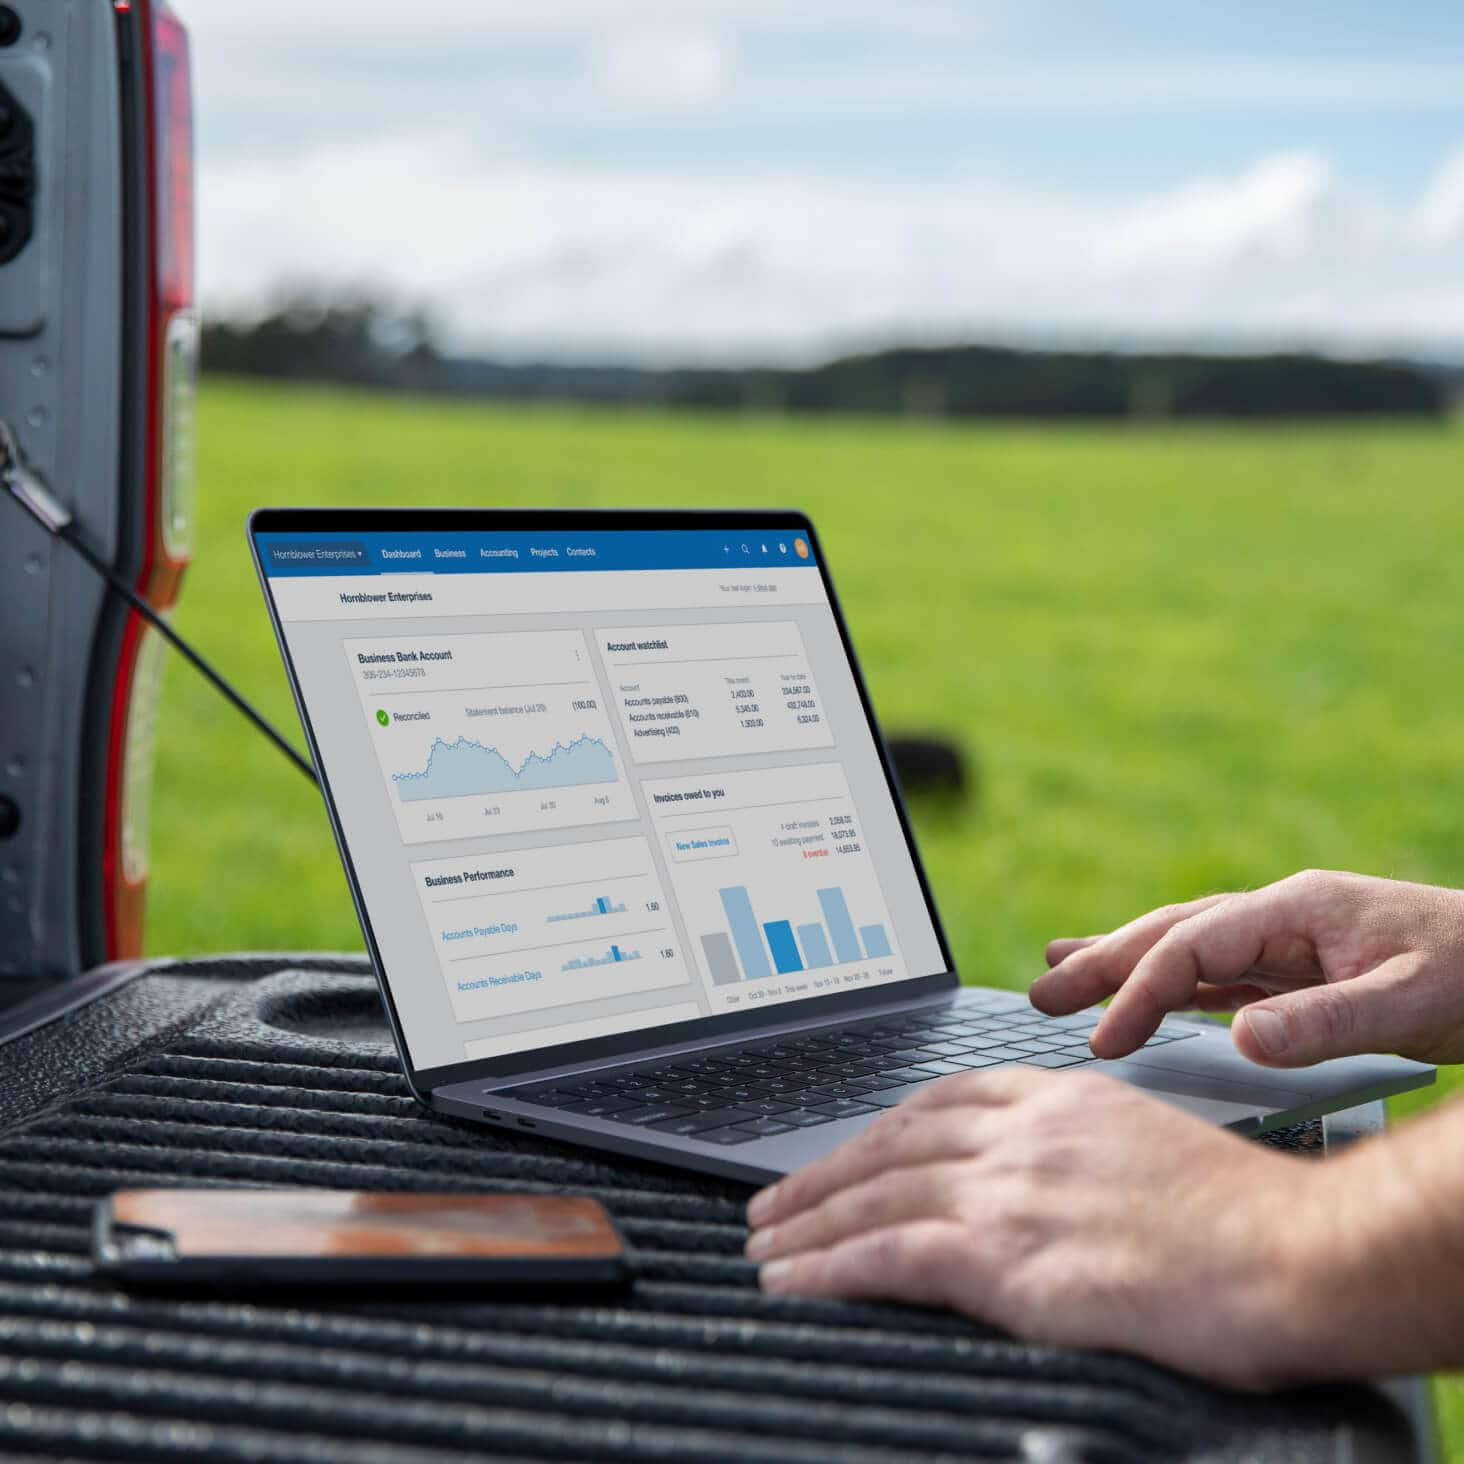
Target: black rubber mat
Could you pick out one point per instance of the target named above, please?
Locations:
(288, 1079)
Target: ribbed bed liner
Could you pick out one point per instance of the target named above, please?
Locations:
(288, 1079)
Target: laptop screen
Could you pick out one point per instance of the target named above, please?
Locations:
(597, 782)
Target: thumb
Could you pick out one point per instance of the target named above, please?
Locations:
(1318, 1022)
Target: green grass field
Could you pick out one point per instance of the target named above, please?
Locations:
(1182, 659)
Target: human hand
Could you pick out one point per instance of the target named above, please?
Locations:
(1318, 965)
(1068, 1209)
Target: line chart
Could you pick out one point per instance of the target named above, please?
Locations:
(466, 767)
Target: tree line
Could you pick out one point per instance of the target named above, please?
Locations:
(363, 342)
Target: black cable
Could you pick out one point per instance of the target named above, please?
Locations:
(72, 537)
(27, 490)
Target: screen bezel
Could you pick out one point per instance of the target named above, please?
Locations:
(504, 520)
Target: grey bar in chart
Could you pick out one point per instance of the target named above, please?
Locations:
(720, 960)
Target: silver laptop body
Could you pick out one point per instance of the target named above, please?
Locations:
(627, 850)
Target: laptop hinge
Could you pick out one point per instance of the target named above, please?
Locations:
(760, 1033)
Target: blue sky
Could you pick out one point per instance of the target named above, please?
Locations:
(777, 180)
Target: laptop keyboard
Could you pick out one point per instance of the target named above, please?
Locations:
(732, 1095)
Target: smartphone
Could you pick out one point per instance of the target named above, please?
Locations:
(311, 1237)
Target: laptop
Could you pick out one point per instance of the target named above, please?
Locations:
(627, 849)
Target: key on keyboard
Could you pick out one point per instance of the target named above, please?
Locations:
(734, 1095)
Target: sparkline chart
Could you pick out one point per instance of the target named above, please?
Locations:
(604, 905)
(541, 928)
(613, 957)
(489, 734)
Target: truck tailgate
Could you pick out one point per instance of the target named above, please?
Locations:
(279, 1071)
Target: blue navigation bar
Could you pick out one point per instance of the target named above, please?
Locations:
(294, 555)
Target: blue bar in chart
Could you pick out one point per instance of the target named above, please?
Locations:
(807, 950)
(783, 946)
(815, 947)
(841, 927)
(750, 951)
(875, 941)
(612, 957)
(602, 906)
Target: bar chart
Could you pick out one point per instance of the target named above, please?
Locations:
(778, 892)
(742, 952)
(613, 957)
(604, 905)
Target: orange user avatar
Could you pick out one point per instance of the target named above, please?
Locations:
(801, 546)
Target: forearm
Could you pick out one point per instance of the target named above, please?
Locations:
(1373, 1272)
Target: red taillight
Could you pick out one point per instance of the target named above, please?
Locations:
(173, 159)
(171, 365)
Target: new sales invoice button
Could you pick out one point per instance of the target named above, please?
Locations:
(716, 843)
(326, 553)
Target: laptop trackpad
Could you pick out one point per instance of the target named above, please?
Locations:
(1209, 1097)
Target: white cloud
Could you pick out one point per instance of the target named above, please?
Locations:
(1291, 251)
(1440, 216)
(275, 26)
(528, 258)
(983, 87)
(349, 24)
(663, 71)
(522, 254)
(983, 60)
(1286, 210)
(287, 70)
(749, 178)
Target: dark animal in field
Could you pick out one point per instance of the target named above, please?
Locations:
(929, 765)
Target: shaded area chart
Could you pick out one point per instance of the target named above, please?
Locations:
(464, 768)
